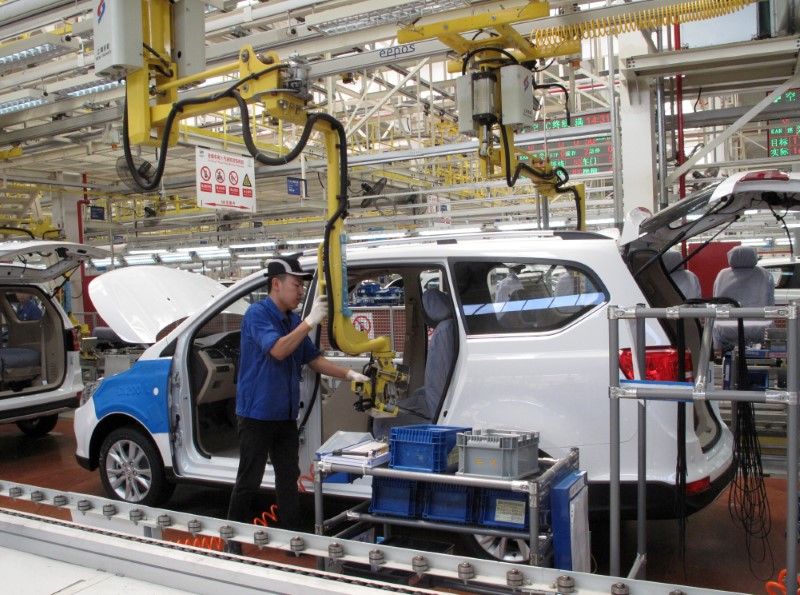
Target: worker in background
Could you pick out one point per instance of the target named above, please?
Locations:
(274, 347)
(27, 308)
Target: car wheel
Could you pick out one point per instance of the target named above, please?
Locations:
(38, 427)
(131, 468)
(505, 549)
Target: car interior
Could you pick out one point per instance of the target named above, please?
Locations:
(32, 354)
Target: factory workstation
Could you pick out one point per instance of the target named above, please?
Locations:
(409, 296)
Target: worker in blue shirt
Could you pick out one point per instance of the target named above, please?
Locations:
(274, 347)
(27, 309)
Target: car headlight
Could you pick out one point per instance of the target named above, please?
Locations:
(88, 390)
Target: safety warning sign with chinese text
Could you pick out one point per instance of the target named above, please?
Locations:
(225, 180)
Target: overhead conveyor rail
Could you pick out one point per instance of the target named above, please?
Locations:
(699, 390)
(127, 539)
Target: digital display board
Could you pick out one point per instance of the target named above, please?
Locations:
(783, 136)
(592, 155)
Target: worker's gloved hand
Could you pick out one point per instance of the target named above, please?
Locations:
(318, 311)
(353, 375)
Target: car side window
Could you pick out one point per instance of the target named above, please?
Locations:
(524, 297)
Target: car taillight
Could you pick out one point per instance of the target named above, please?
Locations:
(695, 487)
(76, 339)
(770, 174)
(661, 363)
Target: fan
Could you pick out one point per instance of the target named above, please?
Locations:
(371, 193)
(373, 197)
(227, 217)
(143, 168)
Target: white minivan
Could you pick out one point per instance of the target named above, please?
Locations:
(528, 332)
(40, 371)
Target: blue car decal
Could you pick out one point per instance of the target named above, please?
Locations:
(140, 392)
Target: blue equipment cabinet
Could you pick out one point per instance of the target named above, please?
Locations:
(570, 512)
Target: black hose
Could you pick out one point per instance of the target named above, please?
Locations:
(341, 210)
(177, 108)
(559, 174)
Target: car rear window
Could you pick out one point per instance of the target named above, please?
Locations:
(523, 297)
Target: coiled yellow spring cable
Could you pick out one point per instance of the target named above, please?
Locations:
(661, 16)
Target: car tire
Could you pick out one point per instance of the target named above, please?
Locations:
(131, 468)
(38, 426)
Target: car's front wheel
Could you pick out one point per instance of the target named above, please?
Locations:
(38, 427)
(131, 468)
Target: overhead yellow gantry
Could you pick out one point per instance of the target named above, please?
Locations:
(500, 62)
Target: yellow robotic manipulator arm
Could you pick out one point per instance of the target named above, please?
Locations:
(387, 382)
(153, 106)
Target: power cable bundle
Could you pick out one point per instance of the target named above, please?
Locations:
(747, 497)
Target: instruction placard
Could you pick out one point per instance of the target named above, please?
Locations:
(225, 180)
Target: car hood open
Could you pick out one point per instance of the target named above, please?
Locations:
(139, 302)
(41, 261)
(710, 208)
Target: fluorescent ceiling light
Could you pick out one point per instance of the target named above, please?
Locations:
(103, 263)
(302, 241)
(355, 17)
(213, 254)
(204, 248)
(21, 100)
(753, 242)
(255, 254)
(516, 226)
(36, 48)
(175, 257)
(140, 259)
(253, 267)
(376, 235)
(89, 89)
(256, 245)
(448, 231)
(149, 251)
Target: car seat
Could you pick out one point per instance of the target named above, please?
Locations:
(423, 404)
(750, 286)
(687, 281)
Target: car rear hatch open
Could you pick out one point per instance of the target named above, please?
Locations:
(41, 261)
(646, 237)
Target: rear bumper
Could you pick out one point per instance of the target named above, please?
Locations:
(662, 499)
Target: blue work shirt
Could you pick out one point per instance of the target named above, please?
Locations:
(29, 311)
(269, 389)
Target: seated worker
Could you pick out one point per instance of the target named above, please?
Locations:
(27, 308)
(751, 286)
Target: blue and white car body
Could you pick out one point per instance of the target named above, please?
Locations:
(534, 358)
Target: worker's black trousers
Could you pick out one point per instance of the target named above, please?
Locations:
(258, 440)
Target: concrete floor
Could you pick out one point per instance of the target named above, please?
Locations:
(716, 549)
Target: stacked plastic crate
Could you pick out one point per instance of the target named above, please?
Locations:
(426, 449)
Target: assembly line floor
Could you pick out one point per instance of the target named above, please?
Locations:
(716, 549)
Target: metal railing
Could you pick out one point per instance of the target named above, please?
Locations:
(687, 392)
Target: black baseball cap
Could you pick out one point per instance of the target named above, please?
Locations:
(287, 266)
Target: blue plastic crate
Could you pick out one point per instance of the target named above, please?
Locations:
(504, 508)
(396, 497)
(449, 503)
(425, 447)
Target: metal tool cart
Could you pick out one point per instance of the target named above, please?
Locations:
(535, 487)
(701, 389)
